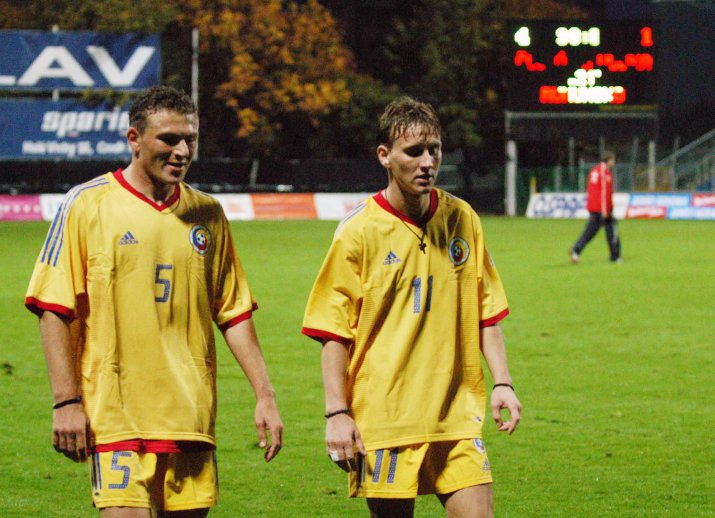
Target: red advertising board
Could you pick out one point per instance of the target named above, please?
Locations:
(706, 199)
(284, 206)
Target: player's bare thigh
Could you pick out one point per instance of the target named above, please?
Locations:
(139, 512)
(470, 502)
(391, 507)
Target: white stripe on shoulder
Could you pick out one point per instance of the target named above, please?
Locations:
(55, 238)
(359, 208)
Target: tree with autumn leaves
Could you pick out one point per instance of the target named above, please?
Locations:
(281, 68)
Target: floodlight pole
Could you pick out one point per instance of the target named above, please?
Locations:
(195, 66)
(55, 91)
(510, 178)
(195, 73)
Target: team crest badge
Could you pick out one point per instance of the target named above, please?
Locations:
(458, 251)
(479, 445)
(200, 238)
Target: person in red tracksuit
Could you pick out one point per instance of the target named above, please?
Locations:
(600, 209)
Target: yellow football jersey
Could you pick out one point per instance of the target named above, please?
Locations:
(411, 318)
(142, 283)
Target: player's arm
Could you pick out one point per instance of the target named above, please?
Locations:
(604, 190)
(494, 351)
(70, 425)
(243, 342)
(342, 436)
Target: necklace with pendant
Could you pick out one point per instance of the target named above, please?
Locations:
(421, 238)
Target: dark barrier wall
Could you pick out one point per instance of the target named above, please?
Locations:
(31, 177)
(486, 194)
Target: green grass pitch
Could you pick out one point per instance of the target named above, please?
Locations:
(613, 363)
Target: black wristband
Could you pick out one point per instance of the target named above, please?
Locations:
(337, 412)
(503, 385)
(71, 401)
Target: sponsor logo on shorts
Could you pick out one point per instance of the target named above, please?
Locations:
(200, 238)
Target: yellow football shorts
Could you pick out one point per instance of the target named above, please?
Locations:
(420, 469)
(160, 481)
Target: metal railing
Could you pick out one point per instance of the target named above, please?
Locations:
(692, 167)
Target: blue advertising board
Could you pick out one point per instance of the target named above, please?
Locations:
(36, 60)
(65, 129)
(667, 199)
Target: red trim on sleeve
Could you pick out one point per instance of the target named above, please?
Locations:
(382, 202)
(322, 336)
(119, 175)
(494, 320)
(37, 307)
(155, 446)
(240, 318)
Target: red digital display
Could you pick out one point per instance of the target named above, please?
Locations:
(569, 66)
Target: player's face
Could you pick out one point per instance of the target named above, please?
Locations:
(413, 160)
(165, 149)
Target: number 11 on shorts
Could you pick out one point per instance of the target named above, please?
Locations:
(376, 475)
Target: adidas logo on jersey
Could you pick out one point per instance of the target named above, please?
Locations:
(128, 239)
(391, 259)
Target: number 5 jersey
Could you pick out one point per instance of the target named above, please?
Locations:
(142, 284)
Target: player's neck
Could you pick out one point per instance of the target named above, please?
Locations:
(413, 206)
(141, 181)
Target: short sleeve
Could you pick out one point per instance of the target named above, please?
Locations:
(334, 302)
(493, 305)
(233, 301)
(59, 276)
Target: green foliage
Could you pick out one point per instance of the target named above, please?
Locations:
(613, 364)
(98, 15)
(452, 54)
(445, 54)
(351, 131)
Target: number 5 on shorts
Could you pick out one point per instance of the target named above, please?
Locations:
(124, 469)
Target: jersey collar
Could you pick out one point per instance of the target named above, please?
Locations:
(433, 202)
(119, 176)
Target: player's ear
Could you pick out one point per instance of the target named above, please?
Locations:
(382, 155)
(133, 137)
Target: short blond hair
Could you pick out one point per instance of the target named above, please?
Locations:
(404, 113)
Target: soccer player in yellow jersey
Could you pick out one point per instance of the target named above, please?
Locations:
(404, 303)
(136, 268)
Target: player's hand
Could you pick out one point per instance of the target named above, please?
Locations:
(504, 397)
(70, 432)
(269, 426)
(343, 442)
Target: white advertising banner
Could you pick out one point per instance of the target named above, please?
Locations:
(626, 205)
(236, 206)
(337, 205)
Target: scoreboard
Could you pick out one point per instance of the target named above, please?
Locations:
(582, 66)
